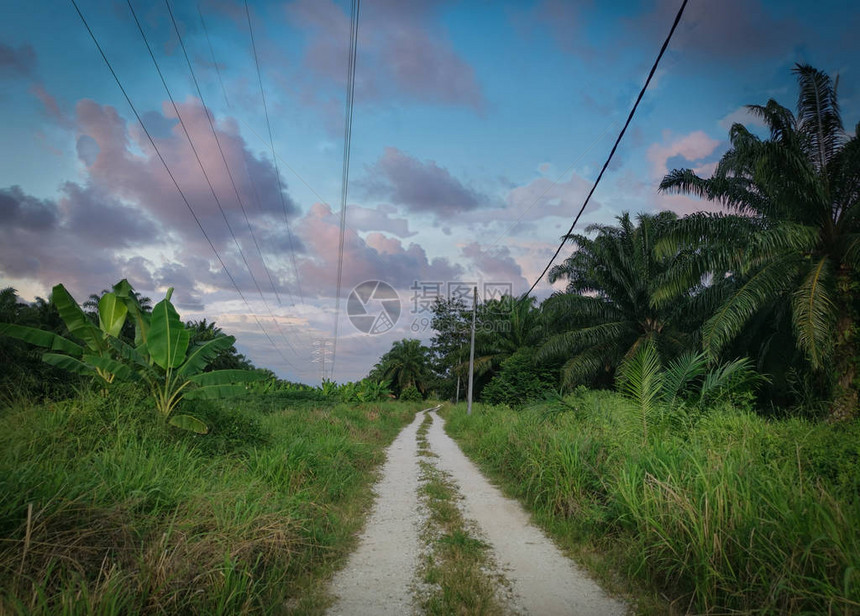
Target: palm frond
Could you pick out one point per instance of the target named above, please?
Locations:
(818, 113)
(762, 286)
(681, 372)
(814, 314)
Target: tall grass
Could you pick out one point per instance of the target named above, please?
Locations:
(722, 511)
(106, 510)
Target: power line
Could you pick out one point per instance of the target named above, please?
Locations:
(274, 158)
(172, 177)
(347, 145)
(229, 174)
(614, 147)
(202, 168)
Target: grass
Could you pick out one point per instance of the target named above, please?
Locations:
(720, 512)
(457, 568)
(106, 510)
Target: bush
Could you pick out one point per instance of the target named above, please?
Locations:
(519, 380)
(411, 394)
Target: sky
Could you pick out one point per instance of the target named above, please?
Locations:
(478, 128)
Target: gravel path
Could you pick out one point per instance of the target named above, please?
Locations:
(380, 575)
(544, 581)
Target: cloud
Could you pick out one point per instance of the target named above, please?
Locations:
(741, 115)
(376, 256)
(693, 147)
(401, 54)
(561, 19)
(17, 61)
(419, 186)
(79, 239)
(378, 219)
(496, 265)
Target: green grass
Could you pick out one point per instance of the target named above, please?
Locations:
(106, 510)
(721, 512)
(457, 565)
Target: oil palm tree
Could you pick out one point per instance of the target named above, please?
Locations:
(506, 326)
(793, 234)
(406, 364)
(606, 311)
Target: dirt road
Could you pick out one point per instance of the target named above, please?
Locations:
(381, 575)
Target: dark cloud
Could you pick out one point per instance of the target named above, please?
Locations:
(17, 61)
(419, 186)
(96, 218)
(78, 240)
(19, 210)
(402, 54)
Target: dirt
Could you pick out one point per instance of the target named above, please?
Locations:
(380, 576)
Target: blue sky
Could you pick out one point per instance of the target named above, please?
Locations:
(478, 127)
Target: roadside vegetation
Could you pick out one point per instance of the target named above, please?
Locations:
(106, 509)
(719, 511)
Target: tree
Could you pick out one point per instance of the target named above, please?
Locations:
(504, 327)
(406, 364)
(606, 311)
(792, 237)
(226, 359)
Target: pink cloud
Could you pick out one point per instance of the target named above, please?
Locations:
(402, 55)
(378, 257)
(693, 147)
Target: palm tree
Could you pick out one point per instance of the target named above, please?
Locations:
(505, 326)
(607, 311)
(406, 364)
(793, 237)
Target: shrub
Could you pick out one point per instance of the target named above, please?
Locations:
(411, 394)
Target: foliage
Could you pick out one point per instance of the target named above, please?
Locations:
(410, 393)
(519, 380)
(406, 364)
(795, 203)
(731, 513)
(25, 376)
(162, 357)
(253, 517)
(607, 310)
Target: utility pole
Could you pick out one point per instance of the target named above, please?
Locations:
(472, 352)
(457, 399)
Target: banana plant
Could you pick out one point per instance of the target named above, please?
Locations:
(95, 356)
(161, 355)
(172, 368)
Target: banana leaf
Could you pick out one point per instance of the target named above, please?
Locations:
(75, 319)
(70, 364)
(125, 292)
(200, 356)
(190, 423)
(112, 313)
(41, 338)
(168, 338)
(120, 370)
